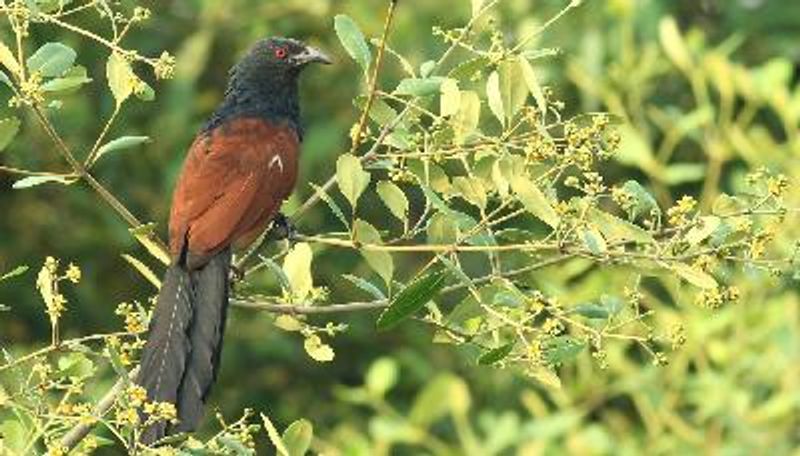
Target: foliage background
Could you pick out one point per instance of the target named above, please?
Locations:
(733, 388)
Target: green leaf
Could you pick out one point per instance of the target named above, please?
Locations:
(635, 150)
(420, 87)
(705, 227)
(297, 267)
(297, 437)
(695, 276)
(352, 178)
(465, 121)
(380, 260)
(274, 436)
(353, 40)
(411, 299)
(8, 60)
(72, 79)
(5, 79)
(318, 350)
(32, 181)
(366, 286)
(75, 365)
(529, 75)
(442, 229)
(674, 45)
(592, 310)
(15, 437)
(9, 128)
(471, 190)
(450, 98)
(496, 354)
(594, 241)
(381, 376)
(145, 271)
(394, 198)
(123, 142)
(144, 92)
(534, 200)
(19, 270)
(644, 203)
(513, 88)
(615, 229)
(52, 59)
(427, 68)
(562, 348)
(445, 394)
(682, 173)
(121, 79)
(337, 211)
(235, 446)
(494, 97)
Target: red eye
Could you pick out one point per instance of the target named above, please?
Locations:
(280, 53)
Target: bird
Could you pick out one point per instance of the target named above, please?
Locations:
(240, 168)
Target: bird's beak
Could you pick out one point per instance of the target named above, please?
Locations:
(312, 54)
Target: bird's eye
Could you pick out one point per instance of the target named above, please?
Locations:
(280, 53)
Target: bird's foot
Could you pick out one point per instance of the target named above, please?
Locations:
(282, 228)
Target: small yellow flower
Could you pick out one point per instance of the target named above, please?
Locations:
(137, 395)
(73, 273)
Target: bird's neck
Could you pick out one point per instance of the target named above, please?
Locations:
(273, 100)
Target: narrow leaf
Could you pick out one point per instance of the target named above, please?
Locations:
(496, 354)
(8, 60)
(32, 181)
(143, 269)
(411, 299)
(533, 85)
(494, 97)
(121, 79)
(695, 276)
(274, 436)
(123, 142)
(19, 270)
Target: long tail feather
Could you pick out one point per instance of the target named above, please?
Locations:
(208, 325)
(181, 357)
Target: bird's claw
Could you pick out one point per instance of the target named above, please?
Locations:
(282, 228)
(236, 274)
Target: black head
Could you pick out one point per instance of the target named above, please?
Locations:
(273, 59)
(264, 82)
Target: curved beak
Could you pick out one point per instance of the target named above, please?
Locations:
(312, 54)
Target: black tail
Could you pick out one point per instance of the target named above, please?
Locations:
(181, 358)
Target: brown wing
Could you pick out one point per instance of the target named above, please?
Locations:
(232, 184)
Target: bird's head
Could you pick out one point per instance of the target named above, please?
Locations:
(277, 59)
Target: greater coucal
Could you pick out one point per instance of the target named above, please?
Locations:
(240, 168)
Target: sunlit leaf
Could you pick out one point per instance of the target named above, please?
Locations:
(19, 270)
(297, 437)
(466, 119)
(32, 181)
(419, 87)
(644, 203)
(695, 276)
(143, 269)
(705, 227)
(449, 98)
(615, 229)
(352, 178)
(121, 79)
(394, 198)
(532, 82)
(353, 40)
(297, 267)
(124, 142)
(381, 376)
(561, 349)
(494, 97)
(318, 350)
(380, 260)
(673, 44)
(274, 436)
(472, 190)
(411, 299)
(8, 60)
(534, 200)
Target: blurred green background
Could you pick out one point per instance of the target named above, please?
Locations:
(696, 129)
